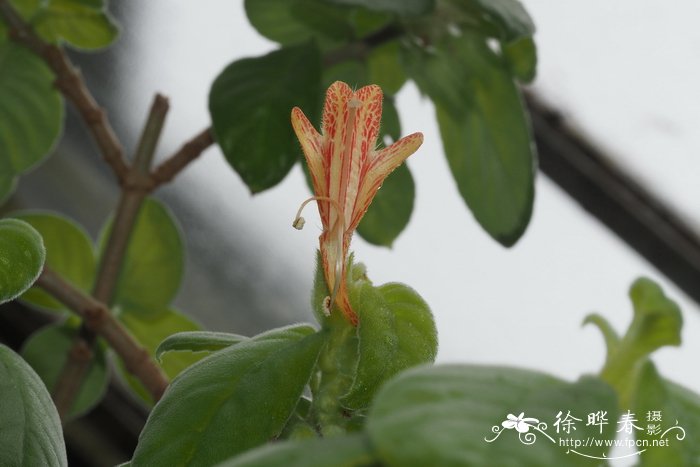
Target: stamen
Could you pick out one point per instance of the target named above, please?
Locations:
(299, 221)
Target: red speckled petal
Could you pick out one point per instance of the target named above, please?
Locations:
(368, 102)
(383, 163)
(312, 144)
(334, 129)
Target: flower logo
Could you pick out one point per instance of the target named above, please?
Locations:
(520, 423)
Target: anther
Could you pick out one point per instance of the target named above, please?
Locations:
(299, 221)
(327, 306)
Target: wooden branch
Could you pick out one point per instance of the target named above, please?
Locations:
(136, 181)
(70, 83)
(133, 193)
(134, 190)
(98, 319)
(189, 151)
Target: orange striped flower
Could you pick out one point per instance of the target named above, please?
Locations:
(346, 171)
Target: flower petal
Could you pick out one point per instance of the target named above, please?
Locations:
(311, 143)
(366, 118)
(381, 165)
(369, 118)
(334, 128)
(522, 427)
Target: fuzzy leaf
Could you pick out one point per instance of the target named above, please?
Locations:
(154, 262)
(150, 330)
(197, 341)
(69, 252)
(230, 402)
(657, 322)
(82, 24)
(319, 452)
(252, 99)
(396, 332)
(32, 113)
(46, 351)
(30, 430)
(22, 256)
(444, 415)
(400, 7)
(484, 131)
(679, 412)
(291, 22)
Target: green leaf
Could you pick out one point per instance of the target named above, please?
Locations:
(150, 331)
(484, 130)
(291, 22)
(521, 56)
(46, 352)
(400, 7)
(657, 319)
(69, 252)
(366, 22)
(154, 261)
(197, 341)
(353, 72)
(31, 113)
(298, 426)
(30, 430)
(350, 450)
(444, 73)
(231, 401)
(612, 340)
(679, 412)
(396, 332)
(390, 210)
(445, 415)
(27, 8)
(82, 24)
(252, 99)
(385, 68)
(507, 18)
(22, 256)
(657, 322)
